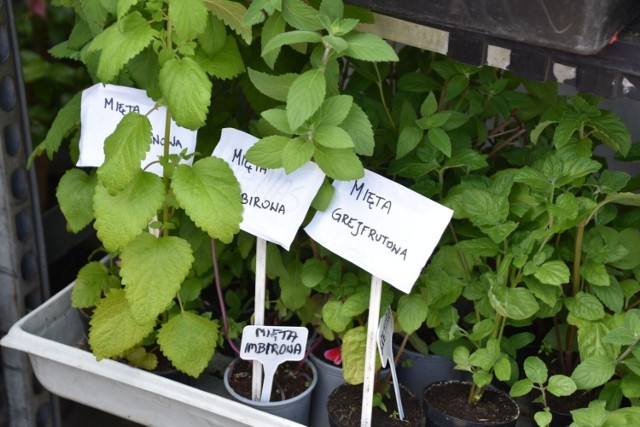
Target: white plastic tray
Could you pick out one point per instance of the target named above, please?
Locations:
(50, 335)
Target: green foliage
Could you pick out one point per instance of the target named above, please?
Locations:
(75, 196)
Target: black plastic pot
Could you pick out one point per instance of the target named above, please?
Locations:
(437, 418)
(583, 27)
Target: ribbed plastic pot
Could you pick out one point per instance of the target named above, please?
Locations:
(329, 377)
(296, 409)
(423, 370)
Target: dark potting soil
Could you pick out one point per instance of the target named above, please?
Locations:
(345, 408)
(451, 398)
(287, 382)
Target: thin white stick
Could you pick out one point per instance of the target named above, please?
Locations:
(258, 315)
(370, 355)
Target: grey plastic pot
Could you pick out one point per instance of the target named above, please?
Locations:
(296, 409)
(423, 370)
(329, 377)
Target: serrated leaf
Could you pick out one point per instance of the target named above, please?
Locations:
(429, 105)
(296, 153)
(440, 140)
(268, 152)
(188, 17)
(535, 369)
(412, 312)
(502, 369)
(139, 357)
(455, 86)
(121, 42)
(225, 64)
(333, 111)
(593, 372)
(75, 196)
(117, 223)
(513, 303)
(232, 13)
(274, 25)
(595, 273)
(289, 38)
(278, 119)
(481, 247)
(300, 15)
(620, 336)
(461, 357)
(276, 87)
(66, 121)
(585, 306)
(323, 198)
(537, 131)
(369, 47)
(189, 342)
(113, 330)
(152, 270)
(561, 385)
(553, 273)
(610, 129)
(354, 344)
(93, 13)
(92, 280)
(521, 387)
(124, 6)
(340, 164)
(210, 194)
(409, 138)
(305, 97)
(359, 127)
(187, 91)
(124, 149)
(332, 137)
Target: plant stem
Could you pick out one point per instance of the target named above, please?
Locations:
(382, 98)
(506, 142)
(223, 310)
(626, 352)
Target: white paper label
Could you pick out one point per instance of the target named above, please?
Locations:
(102, 108)
(274, 203)
(382, 227)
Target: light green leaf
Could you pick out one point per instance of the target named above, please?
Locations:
(124, 6)
(612, 181)
(340, 164)
(502, 368)
(520, 388)
(535, 369)
(620, 336)
(274, 25)
(440, 140)
(333, 111)
(467, 159)
(297, 152)
(337, 43)
(288, 38)
(210, 194)
(628, 238)
(113, 330)
(411, 312)
(610, 129)
(593, 372)
(354, 344)
(300, 15)
(585, 306)
(409, 138)
(429, 105)
(226, 63)
(456, 85)
(140, 358)
(124, 149)
(561, 385)
(630, 386)
(152, 270)
(481, 247)
(75, 196)
(322, 200)
(313, 272)
(186, 89)
(305, 97)
(513, 303)
(537, 131)
(116, 222)
(359, 127)
(92, 280)
(332, 137)
(232, 13)
(595, 273)
(482, 378)
(268, 152)
(93, 13)
(293, 294)
(593, 416)
(189, 342)
(277, 118)
(461, 358)
(66, 121)
(369, 47)
(542, 418)
(119, 43)
(276, 87)
(188, 17)
(553, 273)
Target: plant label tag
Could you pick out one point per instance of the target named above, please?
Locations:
(271, 346)
(384, 338)
(101, 109)
(274, 203)
(382, 227)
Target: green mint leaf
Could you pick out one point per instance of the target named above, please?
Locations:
(466, 158)
(210, 194)
(461, 357)
(456, 86)
(611, 130)
(214, 37)
(595, 273)
(612, 181)
(593, 372)
(502, 369)
(339, 163)
(93, 13)
(343, 26)
(296, 153)
(232, 13)
(274, 25)
(620, 336)
(337, 43)
(119, 43)
(92, 280)
(116, 223)
(75, 195)
(277, 118)
(537, 131)
(440, 140)
(513, 303)
(554, 273)
(300, 15)
(455, 120)
(294, 294)
(113, 330)
(568, 125)
(561, 385)
(276, 87)
(124, 6)
(417, 83)
(520, 388)
(256, 11)
(187, 92)
(481, 330)
(535, 369)
(313, 272)
(369, 47)
(359, 127)
(354, 345)
(139, 357)
(336, 316)
(434, 121)
(152, 270)
(333, 111)
(412, 312)
(268, 151)
(305, 97)
(409, 138)
(224, 64)
(542, 418)
(585, 306)
(289, 38)
(332, 137)
(124, 149)
(323, 198)
(333, 9)
(188, 17)
(189, 342)
(143, 70)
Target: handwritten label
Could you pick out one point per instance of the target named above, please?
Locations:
(384, 338)
(382, 227)
(102, 108)
(271, 346)
(274, 203)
